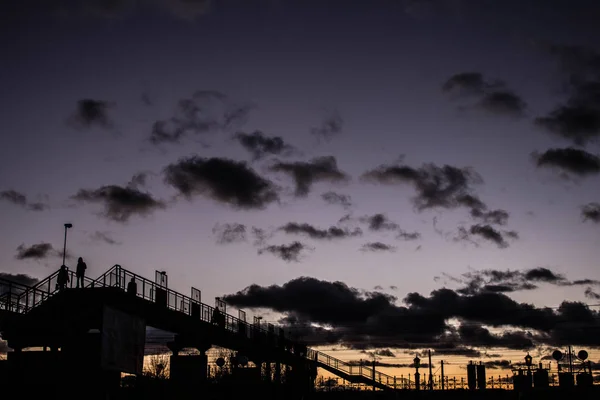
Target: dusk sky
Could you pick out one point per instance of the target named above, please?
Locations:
(399, 147)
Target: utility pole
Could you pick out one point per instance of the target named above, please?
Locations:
(430, 373)
(442, 366)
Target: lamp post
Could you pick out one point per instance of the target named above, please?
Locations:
(417, 362)
(67, 226)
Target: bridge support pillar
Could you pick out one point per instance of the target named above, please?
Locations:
(188, 373)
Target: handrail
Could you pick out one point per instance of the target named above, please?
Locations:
(347, 368)
(44, 289)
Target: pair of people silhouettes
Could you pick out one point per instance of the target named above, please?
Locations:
(63, 279)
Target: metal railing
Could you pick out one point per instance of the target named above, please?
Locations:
(148, 290)
(349, 369)
(34, 295)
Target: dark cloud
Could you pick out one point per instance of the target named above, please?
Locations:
(287, 252)
(306, 173)
(590, 294)
(498, 364)
(486, 232)
(377, 247)
(578, 118)
(22, 279)
(493, 96)
(466, 83)
(363, 320)
(497, 281)
(446, 187)
(333, 232)
(569, 160)
(104, 237)
(38, 251)
(92, 113)
(204, 112)
(402, 235)
(497, 217)
(479, 336)
(120, 203)
(343, 200)
(138, 180)
(260, 145)
(260, 236)
(503, 103)
(227, 181)
(379, 222)
(230, 233)
(19, 199)
(384, 353)
(331, 126)
(442, 187)
(591, 212)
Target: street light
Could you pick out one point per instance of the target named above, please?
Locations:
(528, 359)
(67, 226)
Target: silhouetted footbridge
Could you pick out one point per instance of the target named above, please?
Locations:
(100, 331)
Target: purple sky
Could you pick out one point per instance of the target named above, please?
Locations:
(361, 81)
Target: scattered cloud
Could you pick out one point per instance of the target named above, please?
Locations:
(287, 252)
(230, 233)
(138, 180)
(333, 232)
(506, 281)
(377, 247)
(493, 95)
(260, 145)
(590, 294)
(226, 181)
(343, 200)
(306, 173)
(105, 237)
(260, 236)
(332, 125)
(204, 112)
(379, 222)
(436, 187)
(91, 113)
(37, 252)
(569, 160)
(591, 212)
(486, 232)
(19, 199)
(120, 203)
(578, 118)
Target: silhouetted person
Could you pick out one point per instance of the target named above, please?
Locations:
(80, 271)
(132, 287)
(63, 277)
(218, 318)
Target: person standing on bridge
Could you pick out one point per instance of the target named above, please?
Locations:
(132, 287)
(80, 271)
(63, 278)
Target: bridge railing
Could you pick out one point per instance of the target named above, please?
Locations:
(347, 368)
(34, 295)
(149, 290)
